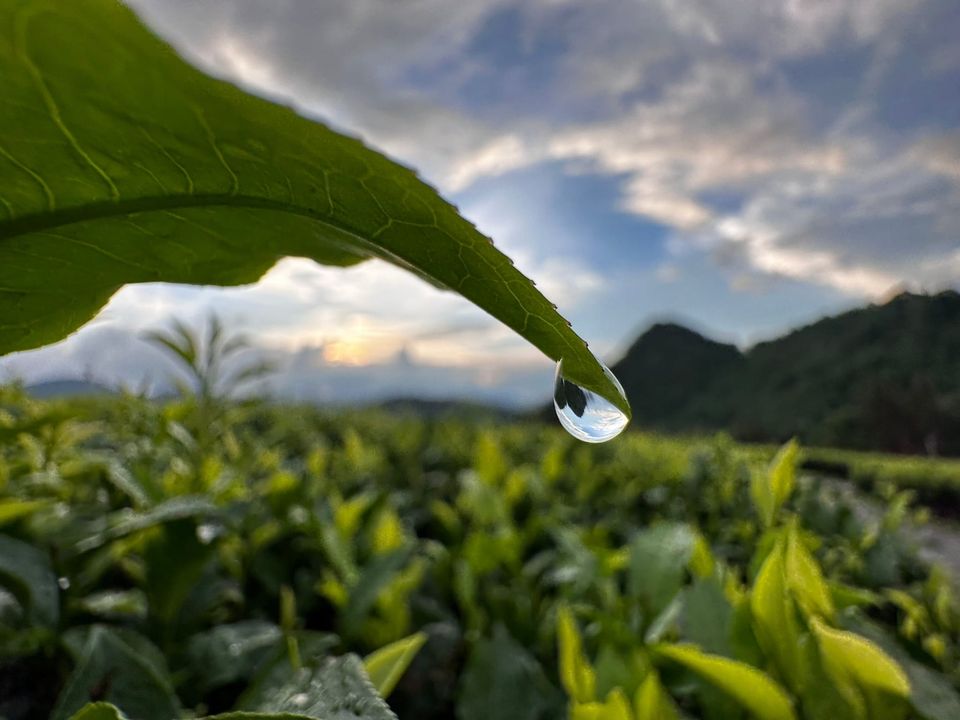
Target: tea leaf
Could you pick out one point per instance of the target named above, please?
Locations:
(387, 665)
(576, 674)
(25, 570)
(758, 693)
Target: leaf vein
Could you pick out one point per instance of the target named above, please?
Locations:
(171, 158)
(52, 108)
(98, 249)
(234, 180)
(47, 192)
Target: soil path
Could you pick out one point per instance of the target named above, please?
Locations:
(937, 541)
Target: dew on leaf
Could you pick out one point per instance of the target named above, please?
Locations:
(584, 414)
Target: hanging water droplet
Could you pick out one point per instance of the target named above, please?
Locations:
(64, 583)
(584, 414)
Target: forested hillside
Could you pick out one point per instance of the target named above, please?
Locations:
(884, 377)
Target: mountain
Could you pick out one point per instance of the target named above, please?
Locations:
(667, 367)
(883, 377)
(66, 388)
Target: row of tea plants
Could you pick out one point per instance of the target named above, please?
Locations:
(203, 556)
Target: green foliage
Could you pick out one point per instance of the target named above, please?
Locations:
(99, 711)
(763, 697)
(771, 489)
(579, 679)
(120, 667)
(483, 569)
(653, 702)
(866, 676)
(26, 571)
(387, 665)
(502, 679)
(334, 689)
(122, 164)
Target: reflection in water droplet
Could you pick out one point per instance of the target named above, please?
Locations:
(584, 414)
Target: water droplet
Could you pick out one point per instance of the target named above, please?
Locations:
(584, 414)
(64, 583)
(300, 699)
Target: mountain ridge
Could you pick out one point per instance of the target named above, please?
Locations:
(881, 377)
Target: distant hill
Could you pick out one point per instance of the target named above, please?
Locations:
(884, 377)
(66, 388)
(439, 409)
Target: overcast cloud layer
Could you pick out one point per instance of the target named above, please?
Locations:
(745, 165)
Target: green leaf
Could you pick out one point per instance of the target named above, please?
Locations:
(387, 665)
(228, 653)
(931, 694)
(576, 674)
(125, 522)
(658, 564)
(503, 680)
(374, 579)
(862, 659)
(175, 560)
(119, 163)
(106, 711)
(770, 490)
(615, 668)
(652, 701)
(615, 707)
(336, 689)
(755, 691)
(115, 604)
(866, 676)
(25, 570)
(820, 696)
(99, 711)
(11, 510)
(121, 667)
(804, 577)
(241, 715)
(775, 619)
(313, 649)
(707, 617)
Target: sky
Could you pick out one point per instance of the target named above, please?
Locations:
(742, 167)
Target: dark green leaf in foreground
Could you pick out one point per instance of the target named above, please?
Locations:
(337, 689)
(232, 652)
(106, 711)
(99, 711)
(503, 680)
(119, 163)
(120, 667)
(25, 571)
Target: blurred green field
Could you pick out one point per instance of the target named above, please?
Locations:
(201, 556)
(935, 481)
